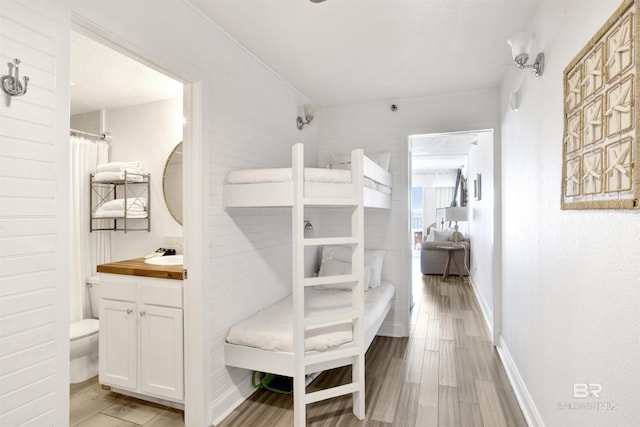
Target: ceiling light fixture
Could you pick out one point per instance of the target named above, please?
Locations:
(309, 110)
(317, 1)
(521, 47)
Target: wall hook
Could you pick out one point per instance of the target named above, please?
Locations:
(11, 83)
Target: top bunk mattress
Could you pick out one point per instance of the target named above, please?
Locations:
(271, 328)
(258, 176)
(323, 175)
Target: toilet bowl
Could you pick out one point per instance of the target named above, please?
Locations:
(83, 350)
(83, 345)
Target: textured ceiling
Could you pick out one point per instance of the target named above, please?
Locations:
(347, 52)
(102, 78)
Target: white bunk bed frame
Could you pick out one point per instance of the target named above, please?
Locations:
(299, 194)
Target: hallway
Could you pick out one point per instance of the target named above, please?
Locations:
(446, 373)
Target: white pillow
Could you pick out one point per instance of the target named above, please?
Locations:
(383, 159)
(339, 161)
(343, 161)
(442, 235)
(375, 259)
(333, 267)
(372, 257)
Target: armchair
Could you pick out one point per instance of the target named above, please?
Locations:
(433, 260)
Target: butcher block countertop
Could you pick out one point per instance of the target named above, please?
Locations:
(137, 267)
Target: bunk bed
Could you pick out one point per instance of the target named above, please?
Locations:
(316, 328)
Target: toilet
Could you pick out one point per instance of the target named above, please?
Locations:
(83, 337)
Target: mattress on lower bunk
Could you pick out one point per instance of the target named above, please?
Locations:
(270, 329)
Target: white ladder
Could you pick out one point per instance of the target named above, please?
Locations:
(347, 354)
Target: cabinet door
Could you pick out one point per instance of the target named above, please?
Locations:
(118, 344)
(161, 358)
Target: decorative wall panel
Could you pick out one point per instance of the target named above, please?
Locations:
(600, 165)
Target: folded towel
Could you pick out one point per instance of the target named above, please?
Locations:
(136, 204)
(115, 176)
(120, 167)
(119, 214)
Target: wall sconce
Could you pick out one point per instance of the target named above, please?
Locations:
(521, 47)
(309, 110)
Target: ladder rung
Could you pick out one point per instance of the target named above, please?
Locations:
(347, 201)
(330, 319)
(330, 280)
(334, 354)
(327, 241)
(328, 393)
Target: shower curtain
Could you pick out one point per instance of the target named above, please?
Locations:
(86, 249)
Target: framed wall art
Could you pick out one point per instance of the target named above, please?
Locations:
(601, 162)
(477, 187)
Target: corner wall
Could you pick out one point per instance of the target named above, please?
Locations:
(481, 224)
(147, 133)
(571, 279)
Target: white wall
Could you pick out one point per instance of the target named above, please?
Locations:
(571, 279)
(147, 133)
(375, 127)
(34, 218)
(248, 120)
(481, 220)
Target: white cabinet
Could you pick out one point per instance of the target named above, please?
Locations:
(141, 335)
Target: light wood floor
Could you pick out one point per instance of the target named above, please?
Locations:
(91, 406)
(446, 373)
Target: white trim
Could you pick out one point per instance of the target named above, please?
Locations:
(222, 407)
(484, 307)
(196, 360)
(527, 405)
(195, 191)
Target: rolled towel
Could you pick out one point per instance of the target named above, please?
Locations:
(100, 213)
(133, 204)
(120, 167)
(115, 176)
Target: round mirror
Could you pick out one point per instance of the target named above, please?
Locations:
(172, 183)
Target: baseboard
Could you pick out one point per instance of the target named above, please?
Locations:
(223, 406)
(395, 330)
(528, 407)
(484, 307)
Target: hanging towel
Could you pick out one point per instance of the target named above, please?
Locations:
(133, 205)
(120, 167)
(115, 176)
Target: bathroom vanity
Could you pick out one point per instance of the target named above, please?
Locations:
(141, 350)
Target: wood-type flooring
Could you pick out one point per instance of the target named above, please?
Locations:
(446, 373)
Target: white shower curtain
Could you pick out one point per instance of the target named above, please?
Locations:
(86, 249)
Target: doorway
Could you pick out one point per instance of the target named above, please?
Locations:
(114, 117)
(459, 169)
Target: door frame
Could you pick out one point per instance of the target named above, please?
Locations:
(195, 193)
(496, 255)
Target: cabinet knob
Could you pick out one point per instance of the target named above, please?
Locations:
(142, 313)
(129, 311)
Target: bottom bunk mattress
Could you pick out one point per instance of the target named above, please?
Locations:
(271, 328)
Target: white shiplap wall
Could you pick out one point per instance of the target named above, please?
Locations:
(248, 120)
(33, 218)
